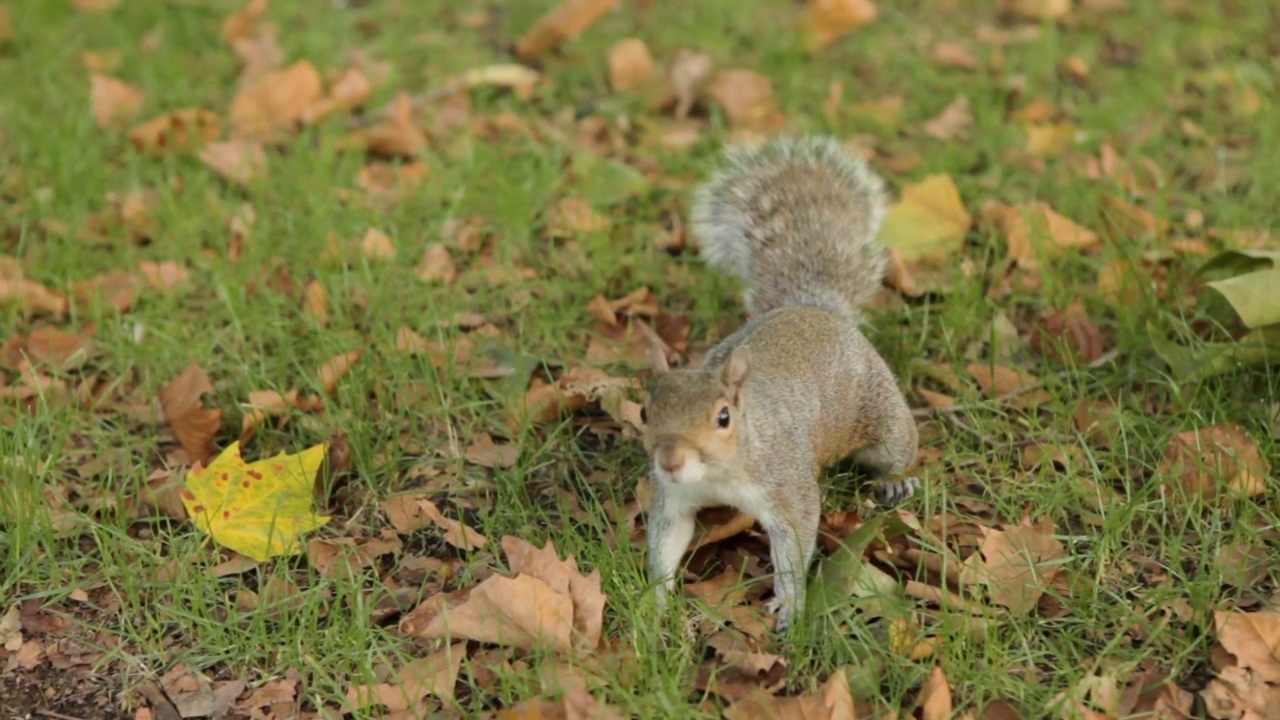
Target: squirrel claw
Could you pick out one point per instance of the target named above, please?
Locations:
(893, 492)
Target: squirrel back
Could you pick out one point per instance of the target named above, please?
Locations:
(796, 219)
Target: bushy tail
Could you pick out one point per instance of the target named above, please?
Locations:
(796, 219)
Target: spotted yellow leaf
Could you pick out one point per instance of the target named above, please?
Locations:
(257, 509)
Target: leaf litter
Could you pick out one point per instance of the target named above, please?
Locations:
(1010, 567)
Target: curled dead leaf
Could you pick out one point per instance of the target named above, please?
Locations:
(561, 24)
(831, 19)
(174, 132)
(276, 100)
(114, 102)
(630, 64)
(334, 369)
(747, 99)
(237, 160)
(183, 407)
(953, 123)
(1213, 462)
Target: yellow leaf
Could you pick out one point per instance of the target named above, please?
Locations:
(257, 509)
(929, 221)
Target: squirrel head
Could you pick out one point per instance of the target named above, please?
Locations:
(692, 417)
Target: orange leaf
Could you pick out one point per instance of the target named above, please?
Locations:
(436, 674)
(630, 64)
(935, 697)
(377, 246)
(275, 100)
(436, 265)
(114, 102)
(563, 23)
(830, 19)
(183, 408)
(176, 131)
(747, 99)
(236, 160)
(333, 370)
(1214, 461)
(563, 577)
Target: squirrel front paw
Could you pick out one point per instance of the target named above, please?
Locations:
(892, 492)
(777, 606)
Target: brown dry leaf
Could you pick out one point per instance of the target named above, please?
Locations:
(747, 99)
(165, 275)
(1214, 461)
(630, 64)
(436, 674)
(563, 577)
(33, 297)
(237, 160)
(1129, 221)
(377, 246)
(1073, 327)
(410, 512)
(1037, 9)
(1248, 688)
(343, 557)
(409, 341)
(100, 61)
(176, 131)
(436, 264)
(832, 702)
(6, 25)
(114, 102)
(831, 19)
(520, 612)
(563, 23)
(396, 135)
(953, 123)
(184, 410)
(335, 368)
(348, 92)
(315, 301)
(263, 404)
(955, 55)
(275, 100)
(484, 452)
(574, 215)
(239, 24)
(60, 349)
(935, 697)
(1016, 565)
(577, 704)
(1034, 229)
(1002, 380)
(118, 289)
(1049, 139)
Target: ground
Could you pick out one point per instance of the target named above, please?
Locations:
(425, 243)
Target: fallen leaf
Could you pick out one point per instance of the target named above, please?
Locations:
(484, 452)
(436, 674)
(953, 123)
(577, 704)
(563, 577)
(237, 160)
(335, 368)
(118, 289)
(574, 215)
(630, 64)
(521, 612)
(396, 135)
(1016, 565)
(955, 55)
(929, 222)
(1213, 461)
(831, 19)
(60, 349)
(275, 100)
(377, 246)
(436, 264)
(95, 7)
(411, 512)
(935, 697)
(561, 24)
(315, 302)
(345, 557)
(114, 102)
(175, 132)
(1071, 328)
(11, 628)
(1034, 230)
(1049, 139)
(257, 509)
(6, 25)
(1037, 9)
(165, 275)
(832, 702)
(348, 92)
(100, 61)
(747, 99)
(184, 410)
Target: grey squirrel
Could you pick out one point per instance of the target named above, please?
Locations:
(799, 386)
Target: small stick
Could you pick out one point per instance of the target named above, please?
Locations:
(944, 598)
(56, 715)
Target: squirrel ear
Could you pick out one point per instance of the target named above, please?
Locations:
(736, 368)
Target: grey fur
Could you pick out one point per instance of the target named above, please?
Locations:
(796, 219)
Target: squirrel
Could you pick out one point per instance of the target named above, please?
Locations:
(796, 388)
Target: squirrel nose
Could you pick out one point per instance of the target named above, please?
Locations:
(670, 459)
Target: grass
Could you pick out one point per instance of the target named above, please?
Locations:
(1143, 573)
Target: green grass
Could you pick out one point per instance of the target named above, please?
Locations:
(1132, 555)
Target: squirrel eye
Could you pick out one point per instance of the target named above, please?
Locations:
(644, 415)
(723, 418)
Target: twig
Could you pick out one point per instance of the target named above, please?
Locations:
(1101, 360)
(56, 715)
(944, 598)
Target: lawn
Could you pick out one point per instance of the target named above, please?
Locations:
(425, 245)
